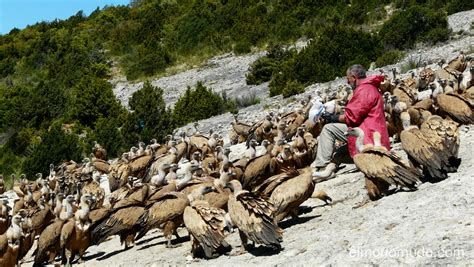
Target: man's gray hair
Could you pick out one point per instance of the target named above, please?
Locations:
(357, 70)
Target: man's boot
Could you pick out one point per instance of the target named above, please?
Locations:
(326, 174)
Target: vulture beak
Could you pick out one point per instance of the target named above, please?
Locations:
(229, 185)
(195, 167)
(208, 189)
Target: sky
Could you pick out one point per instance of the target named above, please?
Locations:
(20, 13)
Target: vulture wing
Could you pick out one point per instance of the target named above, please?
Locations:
(101, 166)
(170, 206)
(291, 194)
(253, 216)
(3, 244)
(256, 170)
(140, 163)
(48, 241)
(428, 151)
(377, 164)
(456, 106)
(271, 183)
(121, 220)
(67, 232)
(206, 224)
(137, 197)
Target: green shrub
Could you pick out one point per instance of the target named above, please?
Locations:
(56, 146)
(455, 6)
(107, 133)
(263, 68)
(325, 58)
(242, 47)
(93, 99)
(197, 104)
(389, 57)
(406, 27)
(292, 88)
(150, 117)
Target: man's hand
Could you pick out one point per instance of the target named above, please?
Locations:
(330, 118)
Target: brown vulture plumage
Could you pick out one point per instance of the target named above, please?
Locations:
(252, 215)
(382, 167)
(430, 151)
(457, 107)
(204, 223)
(168, 210)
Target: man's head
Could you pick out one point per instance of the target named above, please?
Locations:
(354, 74)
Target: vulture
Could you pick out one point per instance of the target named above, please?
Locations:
(457, 107)
(459, 63)
(2, 185)
(49, 241)
(291, 192)
(429, 150)
(4, 219)
(93, 188)
(166, 211)
(122, 222)
(170, 158)
(381, 167)
(42, 217)
(446, 129)
(257, 170)
(101, 165)
(75, 236)
(253, 216)
(405, 94)
(140, 164)
(204, 223)
(242, 130)
(99, 152)
(10, 243)
(28, 237)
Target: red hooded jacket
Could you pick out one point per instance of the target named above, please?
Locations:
(365, 110)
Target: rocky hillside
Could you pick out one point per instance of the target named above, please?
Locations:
(226, 73)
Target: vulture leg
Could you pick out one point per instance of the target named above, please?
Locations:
(169, 230)
(294, 214)
(176, 234)
(244, 240)
(194, 246)
(128, 239)
(69, 257)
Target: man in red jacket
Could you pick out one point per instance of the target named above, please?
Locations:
(364, 110)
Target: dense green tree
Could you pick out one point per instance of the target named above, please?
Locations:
(197, 104)
(55, 147)
(406, 27)
(149, 117)
(93, 99)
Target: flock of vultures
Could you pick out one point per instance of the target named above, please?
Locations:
(68, 210)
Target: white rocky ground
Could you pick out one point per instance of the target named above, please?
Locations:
(430, 226)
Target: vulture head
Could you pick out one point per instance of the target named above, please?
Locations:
(253, 143)
(357, 132)
(301, 131)
(198, 193)
(235, 186)
(265, 143)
